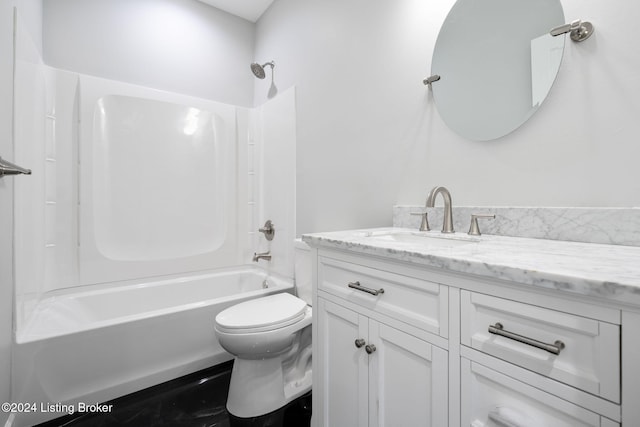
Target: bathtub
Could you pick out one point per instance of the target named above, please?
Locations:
(93, 346)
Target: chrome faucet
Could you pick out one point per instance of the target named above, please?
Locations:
(264, 255)
(447, 224)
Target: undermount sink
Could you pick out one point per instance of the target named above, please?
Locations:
(431, 239)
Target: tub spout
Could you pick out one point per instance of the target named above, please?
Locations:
(264, 255)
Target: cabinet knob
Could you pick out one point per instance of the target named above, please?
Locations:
(370, 348)
(360, 342)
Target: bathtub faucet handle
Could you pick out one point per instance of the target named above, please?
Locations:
(268, 230)
(264, 255)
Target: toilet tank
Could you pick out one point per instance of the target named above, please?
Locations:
(302, 273)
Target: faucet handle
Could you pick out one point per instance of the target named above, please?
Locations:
(474, 230)
(424, 225)
(269, 230)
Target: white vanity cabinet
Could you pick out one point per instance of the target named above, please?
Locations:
(377, 369)
(397, 343)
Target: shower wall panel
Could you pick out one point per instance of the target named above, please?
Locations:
(128, 182)
(34, 200)
(275, 133)
(157, 182)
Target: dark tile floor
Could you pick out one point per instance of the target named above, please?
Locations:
(196, 400)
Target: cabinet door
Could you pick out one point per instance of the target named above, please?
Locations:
(344, 378)
(408, 380)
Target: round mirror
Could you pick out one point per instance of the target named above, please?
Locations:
(497, 62)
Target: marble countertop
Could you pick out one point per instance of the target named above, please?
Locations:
(609, 272)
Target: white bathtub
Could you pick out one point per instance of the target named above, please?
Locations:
(92, 346)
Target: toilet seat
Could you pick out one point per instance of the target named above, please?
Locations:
(261, 314)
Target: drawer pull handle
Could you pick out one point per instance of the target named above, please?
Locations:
(357, 286)
(370, 348)
(360, 342)
(554, 348)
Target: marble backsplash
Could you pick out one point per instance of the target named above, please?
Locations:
(614, 226)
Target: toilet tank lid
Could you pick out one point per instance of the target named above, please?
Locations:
(271, 310)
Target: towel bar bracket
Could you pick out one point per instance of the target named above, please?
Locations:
(8, 168)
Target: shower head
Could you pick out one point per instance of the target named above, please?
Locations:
(258, 70)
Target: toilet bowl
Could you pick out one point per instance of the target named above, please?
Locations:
(270, 338)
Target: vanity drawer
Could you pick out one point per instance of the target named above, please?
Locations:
(414, 301)
(489, 399)
(588, 350)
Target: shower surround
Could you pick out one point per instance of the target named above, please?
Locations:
(137, 227)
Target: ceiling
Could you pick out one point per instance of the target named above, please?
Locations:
(250, 10)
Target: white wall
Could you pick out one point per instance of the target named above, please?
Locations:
(182, 46)
(31, 13)
(369, 135)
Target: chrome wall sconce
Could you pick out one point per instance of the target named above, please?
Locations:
(578, 30)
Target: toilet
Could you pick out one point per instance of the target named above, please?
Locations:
(270, 338)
